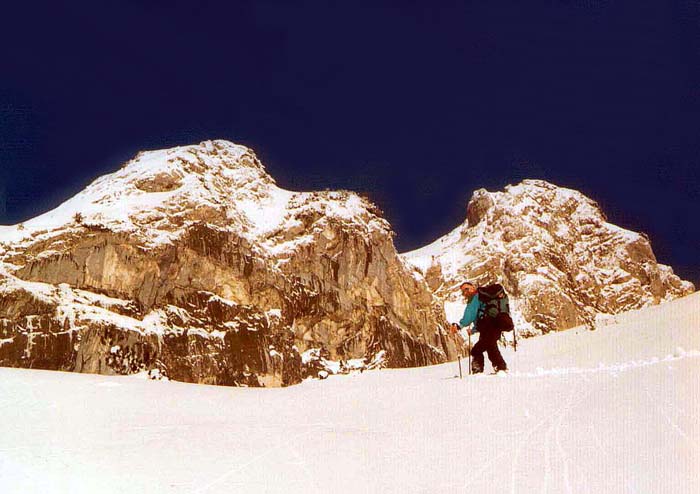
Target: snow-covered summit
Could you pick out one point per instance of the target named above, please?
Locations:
(554, 251)
(157, 193)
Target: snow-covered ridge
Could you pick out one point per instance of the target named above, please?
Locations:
(158, 193)
(526, 202)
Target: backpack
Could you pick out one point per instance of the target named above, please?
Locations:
(495, 309)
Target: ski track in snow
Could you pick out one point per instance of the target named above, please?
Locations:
(611, 369)
(664, 415)
(239, 468)
(554, 424)
(521, 447)
(562, 453)
(305, 466)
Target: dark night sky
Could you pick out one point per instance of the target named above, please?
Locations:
(415, 103)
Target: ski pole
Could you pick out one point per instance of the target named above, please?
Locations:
(469, 338)
(459, 361)
(515, 340)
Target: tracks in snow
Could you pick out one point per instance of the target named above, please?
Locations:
(602, 367)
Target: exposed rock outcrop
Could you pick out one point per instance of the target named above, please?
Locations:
(191, 262)
(555, 253)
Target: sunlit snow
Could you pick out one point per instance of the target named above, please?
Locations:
(605, 411)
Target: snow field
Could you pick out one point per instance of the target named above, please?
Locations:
(612, 410)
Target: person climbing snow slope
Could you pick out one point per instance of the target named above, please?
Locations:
(488, 309)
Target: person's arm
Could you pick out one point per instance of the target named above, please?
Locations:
(470, 312)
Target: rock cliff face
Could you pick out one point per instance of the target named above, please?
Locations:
(555, 253)
(191, 263)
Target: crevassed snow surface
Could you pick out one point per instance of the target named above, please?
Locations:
(613, 410)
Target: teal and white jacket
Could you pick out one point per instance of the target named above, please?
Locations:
(471, 312)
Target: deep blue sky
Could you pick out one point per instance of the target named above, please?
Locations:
(415, 103)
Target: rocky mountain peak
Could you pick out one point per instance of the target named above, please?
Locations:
(192, 263)
(219, 167)
(212, 155)
(531, 199)
(158, 194)
(554, 251)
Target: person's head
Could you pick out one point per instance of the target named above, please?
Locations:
(468, 289)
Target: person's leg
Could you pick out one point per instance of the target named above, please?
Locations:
(495, 354)
(478, 357)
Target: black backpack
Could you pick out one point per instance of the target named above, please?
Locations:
(495, 309)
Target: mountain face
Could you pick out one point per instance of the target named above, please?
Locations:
(553, 250)
(192, 263)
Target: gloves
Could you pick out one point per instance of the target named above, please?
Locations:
(454, 328)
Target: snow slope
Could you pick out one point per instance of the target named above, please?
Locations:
(612, 410)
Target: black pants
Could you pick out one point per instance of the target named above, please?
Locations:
(488, 342)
